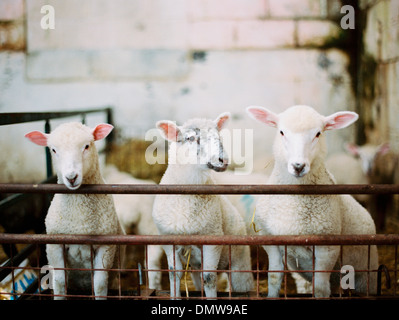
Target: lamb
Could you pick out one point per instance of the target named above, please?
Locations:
(196, 149)
(135, 214)
(360, 164)
(75, 159)
(300, 149)
(367, 164)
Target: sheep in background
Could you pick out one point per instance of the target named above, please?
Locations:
(135, 213)
(357, 164)
(196, 149)
(366, 164)
(300, 151)
(76, 161)
(348, 170)
(367, 155)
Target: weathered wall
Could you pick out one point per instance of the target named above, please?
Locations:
(380, 66)
(157, 59)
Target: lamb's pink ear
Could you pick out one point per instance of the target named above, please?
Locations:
(340, 120)
(101, 131)
(352, 148)
(263, 115)
(383, 149)
(37, 137)
(222, 120)
(169, 130)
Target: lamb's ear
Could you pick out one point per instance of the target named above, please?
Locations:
(352, 148)
(383, 148)
(169, 130)
(101, 131)
(37, 137)
(222, 120)
(340, 120)
(263, 115)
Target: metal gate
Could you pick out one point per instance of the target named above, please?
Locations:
(25, 274)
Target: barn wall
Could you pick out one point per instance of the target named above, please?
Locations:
(157, 59)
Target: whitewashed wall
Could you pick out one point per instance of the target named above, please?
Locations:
(170, 59)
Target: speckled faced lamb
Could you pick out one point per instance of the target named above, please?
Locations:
(76, 161)
(196, 149)
(299, 150)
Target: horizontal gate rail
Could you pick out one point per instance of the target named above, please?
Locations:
(23, 117)
(203, 189)
(303, 240)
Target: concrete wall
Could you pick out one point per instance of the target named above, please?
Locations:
(171, 59)
(380, 95)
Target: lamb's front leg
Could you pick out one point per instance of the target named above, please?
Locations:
(325, 259)
(103, 259)
(174, 263)
(154, 256)
(55, 257)
(275, 264)
(211, 259)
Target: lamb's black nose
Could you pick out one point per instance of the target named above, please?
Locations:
(298, 167)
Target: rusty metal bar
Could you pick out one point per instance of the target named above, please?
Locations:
(202, 189)
(25, 252)
(304, 240)
(396, 270)
(23, 117)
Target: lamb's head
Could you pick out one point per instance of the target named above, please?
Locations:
(197, 142)
(73, 151)
(367, 154)
(300, 141)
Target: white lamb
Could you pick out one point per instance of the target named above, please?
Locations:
(196, 149)
(135, 214)
(360, 166)
(76, 161)
(360, 162)
(300, 150)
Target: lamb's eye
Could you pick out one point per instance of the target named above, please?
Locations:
(53, 151)
(318, 134)
(282, 133)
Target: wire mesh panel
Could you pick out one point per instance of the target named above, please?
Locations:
(132, 277)
(26, 278)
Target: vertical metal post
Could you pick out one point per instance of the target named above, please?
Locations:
(257, 271)
(368, 270)
(92, 271)
(65, 269)
(396, 270)
(111, 137)
(110, 120)
(13, 287)
(285, 271)
(230, 272)
(49, 167)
